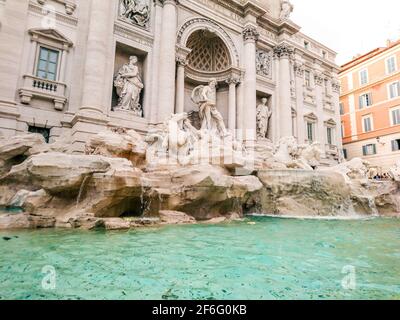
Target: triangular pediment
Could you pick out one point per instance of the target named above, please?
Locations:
(311, 116)
(51, 34)
(330, 122)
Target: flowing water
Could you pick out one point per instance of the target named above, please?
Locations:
(260, 258)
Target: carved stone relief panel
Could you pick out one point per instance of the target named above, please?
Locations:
(264, 63)
(136, 12)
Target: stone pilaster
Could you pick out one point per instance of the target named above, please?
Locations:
(283, 53)
(180, 86)
(155, 60)
(250, 35)
(232, 82)
(338, 118)
(96, 57)
(91, 116)
(167, 62)
(12, 33)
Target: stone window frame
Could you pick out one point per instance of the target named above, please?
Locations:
(331, 124)
(52, 40)
(313, 119)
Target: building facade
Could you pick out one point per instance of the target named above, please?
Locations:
(370, 106)
(60, 61)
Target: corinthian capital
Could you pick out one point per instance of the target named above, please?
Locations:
(283, 51)
(250, 33)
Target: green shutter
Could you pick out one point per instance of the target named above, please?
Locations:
(374, 148)
(364, 150)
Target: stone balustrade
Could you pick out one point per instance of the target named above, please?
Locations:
(44, 89)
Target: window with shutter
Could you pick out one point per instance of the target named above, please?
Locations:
(394, 90)
(396, 145)
(391, 65)
(395, 117)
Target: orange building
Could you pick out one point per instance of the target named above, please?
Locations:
(370, 106)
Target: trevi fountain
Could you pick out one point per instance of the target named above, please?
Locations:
(111, 214)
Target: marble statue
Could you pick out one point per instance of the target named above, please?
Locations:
(174, 140)
(135, 11)
(264, 114)
(294, 156)
(286, 10)
(394, 172)
(311, 153)
(129, 86)
(206, 98)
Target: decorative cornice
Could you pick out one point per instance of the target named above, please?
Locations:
(250, 33)
(283, 51)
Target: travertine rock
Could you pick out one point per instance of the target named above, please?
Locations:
(119, 144)
(302, 193)
(395, 172)
(57, 173)
(356, 168)
(26, 221)
(175, 217)
(15, 149)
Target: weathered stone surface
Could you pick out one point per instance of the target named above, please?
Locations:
(120, 144)
(19, 145)
(355, 169)
(301, 193)
(26, 221)
(15, 149)
(116, 224)
(175, 217)
(395, 172)
(57, 173)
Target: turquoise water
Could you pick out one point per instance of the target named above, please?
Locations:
(271, 259)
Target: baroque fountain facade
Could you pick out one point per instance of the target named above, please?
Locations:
(210, 119)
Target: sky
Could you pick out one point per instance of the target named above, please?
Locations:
(349, 27)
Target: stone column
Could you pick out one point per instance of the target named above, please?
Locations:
(167, 62)
(180, 86)
(283, 52)
(232, 82)
(96, 57)
(250, 35)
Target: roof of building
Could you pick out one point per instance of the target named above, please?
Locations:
(362, 58)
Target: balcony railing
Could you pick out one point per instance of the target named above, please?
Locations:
(43, 89)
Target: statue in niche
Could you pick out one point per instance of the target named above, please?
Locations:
(264, 114)
(129, 86)
(286, 10)
(206, 98)
(135, 11)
